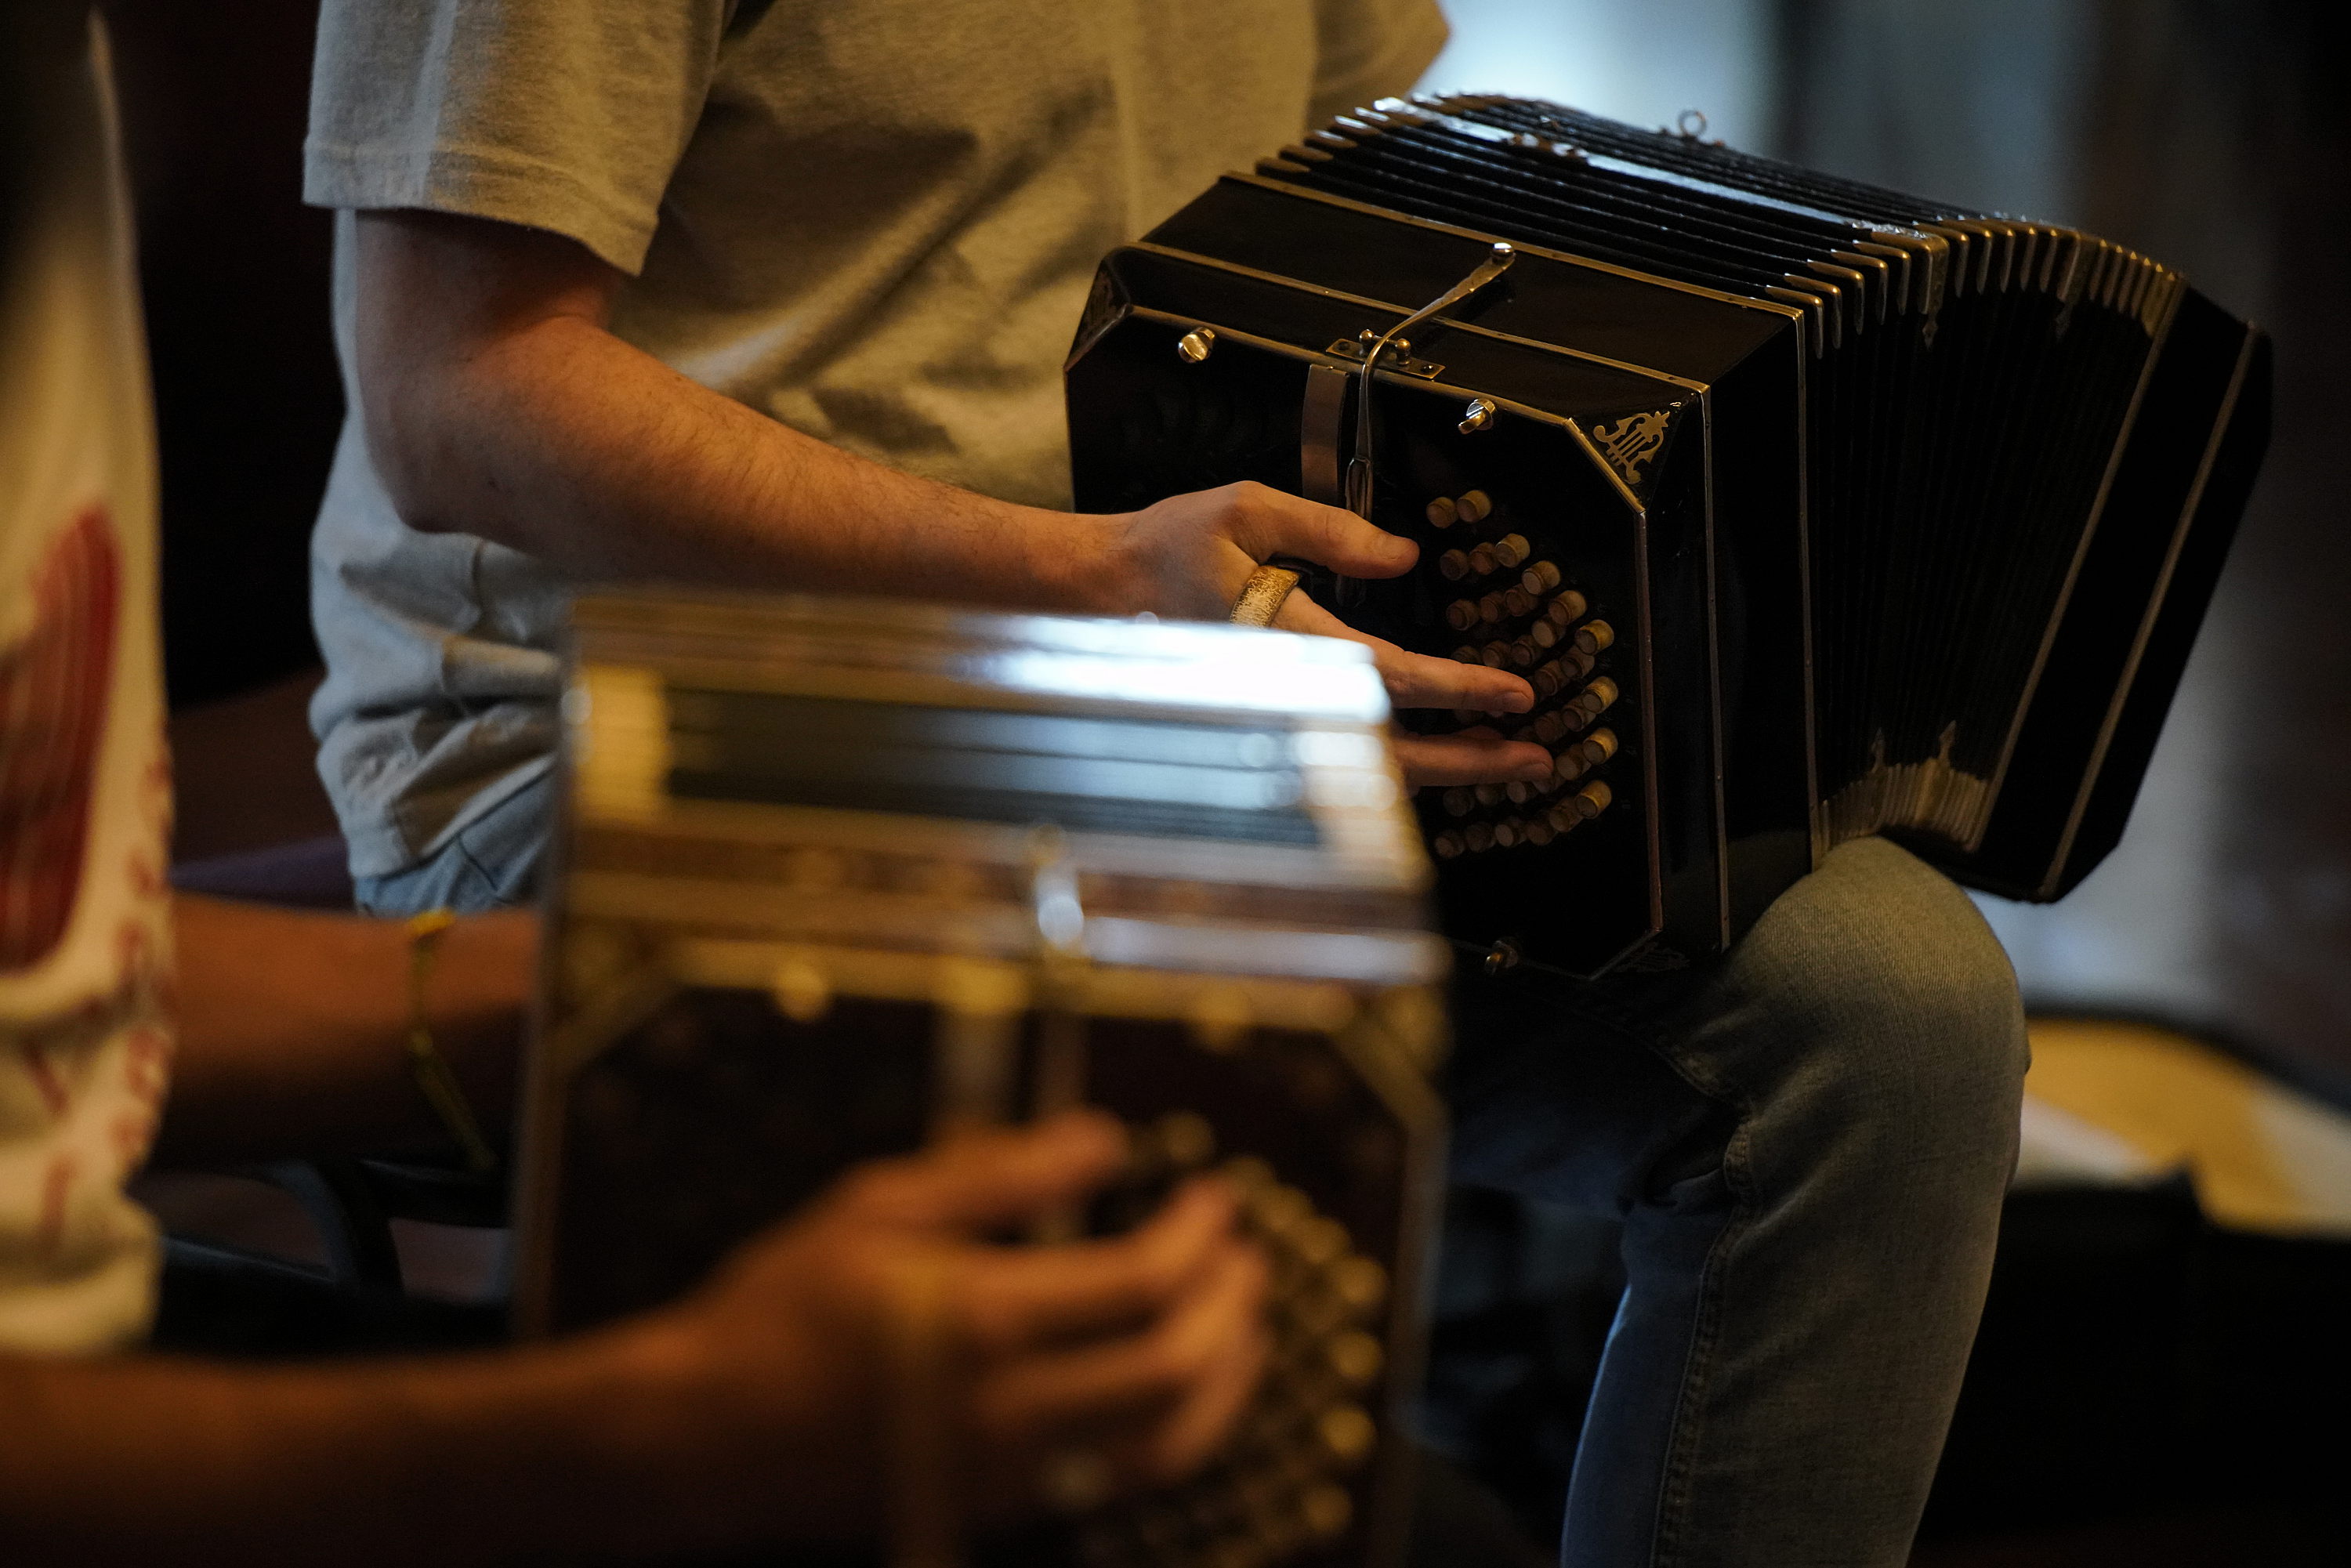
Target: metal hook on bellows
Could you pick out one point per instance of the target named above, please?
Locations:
(1358, 468)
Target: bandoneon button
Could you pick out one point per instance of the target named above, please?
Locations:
(1188, 1139)
(1279, 1208)
(1347, 1433)
(1329, 1511)
(1246, 1172)
(1360, 1282)
(1321, 1240)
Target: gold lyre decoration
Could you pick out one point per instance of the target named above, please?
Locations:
(1631, 443)
(1262, 595)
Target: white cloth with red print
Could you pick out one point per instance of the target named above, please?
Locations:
(85, 780)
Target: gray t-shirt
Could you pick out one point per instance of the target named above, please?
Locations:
(875, 220)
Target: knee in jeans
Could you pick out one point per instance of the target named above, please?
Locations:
(1888, 960)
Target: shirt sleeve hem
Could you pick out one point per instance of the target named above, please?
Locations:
(477, 184)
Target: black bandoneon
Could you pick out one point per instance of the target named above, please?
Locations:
(1812, 510)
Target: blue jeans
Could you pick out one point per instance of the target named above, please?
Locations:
(492, 863)
(1807, 1143)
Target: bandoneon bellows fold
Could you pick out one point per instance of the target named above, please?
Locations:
(836, 878)
(1809, 510)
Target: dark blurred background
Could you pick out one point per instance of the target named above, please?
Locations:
(248, 401)
(2162, 1377)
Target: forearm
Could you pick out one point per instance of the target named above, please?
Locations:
(484, 1459)
(292, 1029)
(562, 441)
(496, 403)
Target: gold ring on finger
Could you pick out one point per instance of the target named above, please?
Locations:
(1262, 595)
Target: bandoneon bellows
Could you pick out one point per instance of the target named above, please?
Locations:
(838, 878)
(1811, 510)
